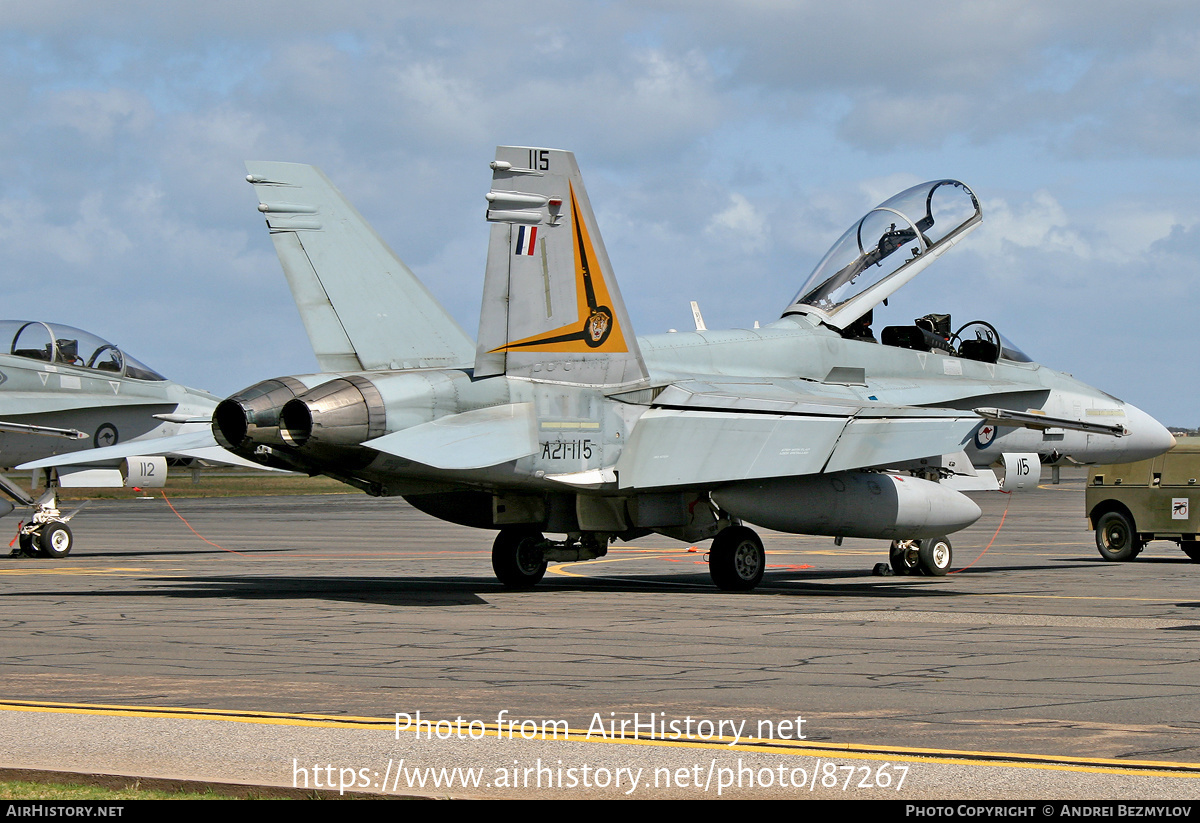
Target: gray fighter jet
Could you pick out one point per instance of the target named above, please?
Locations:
(69, 401)
(559, 420)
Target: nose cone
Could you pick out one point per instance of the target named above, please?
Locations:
(1147, 437)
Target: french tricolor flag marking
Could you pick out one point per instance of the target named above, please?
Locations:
(526, 238)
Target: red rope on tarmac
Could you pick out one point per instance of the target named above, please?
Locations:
(993, 540)
(202, 537)
(18, 534)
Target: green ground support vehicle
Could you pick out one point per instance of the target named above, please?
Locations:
(1130, 504)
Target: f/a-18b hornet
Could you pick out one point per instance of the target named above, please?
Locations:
(560, 421)
(93, 416)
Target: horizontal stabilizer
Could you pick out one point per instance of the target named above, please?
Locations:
(471, 440)
(362, 307)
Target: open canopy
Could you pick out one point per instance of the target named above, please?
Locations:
(885, 249)
(68, 346)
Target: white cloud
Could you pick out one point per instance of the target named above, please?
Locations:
(740, 224)
(722, 143)
(100, 116)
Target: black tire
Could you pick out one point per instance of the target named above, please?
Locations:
(28, 544)
(1191, 548)
(517, 558)
(1115, 537)
(935, 556)
(55, 540)
(736, 561)
(903, 560)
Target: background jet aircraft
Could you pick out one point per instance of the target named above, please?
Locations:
(68, 397)
(560, 420)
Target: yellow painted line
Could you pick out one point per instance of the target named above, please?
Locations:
(511, 730)
(558, 569)
(120, 571)
(267, 718)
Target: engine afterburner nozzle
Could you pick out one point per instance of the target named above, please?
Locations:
(251, 417)
(339, 414)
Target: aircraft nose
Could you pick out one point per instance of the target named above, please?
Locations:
(1147, 437)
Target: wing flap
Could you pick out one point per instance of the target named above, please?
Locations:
(676, 448)
(887, 441)
(671, 447)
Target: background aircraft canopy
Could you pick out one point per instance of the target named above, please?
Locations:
(68, 346)
(885, 249)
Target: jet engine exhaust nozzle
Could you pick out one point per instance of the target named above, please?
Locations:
(251, 417)
(339, 414)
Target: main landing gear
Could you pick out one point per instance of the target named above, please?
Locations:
(929, 556)
(518, 558)
(520, 554)
(736, 561)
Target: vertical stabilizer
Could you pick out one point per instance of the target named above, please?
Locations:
(362, 307)
(551, 308)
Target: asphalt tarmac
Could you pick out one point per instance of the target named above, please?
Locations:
(1035, 669)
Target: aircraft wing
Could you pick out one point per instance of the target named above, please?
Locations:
(767, 431)
(197, 444)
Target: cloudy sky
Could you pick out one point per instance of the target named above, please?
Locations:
(725, 146)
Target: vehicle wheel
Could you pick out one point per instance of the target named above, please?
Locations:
(904, 558)
(28, 544)
(1115, 537)
(736, 560)
(55, 540)
(517, 557)
(1191, 548)
(935, 556)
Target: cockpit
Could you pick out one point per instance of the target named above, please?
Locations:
(887, 248)
(977, 340)
(68, 346)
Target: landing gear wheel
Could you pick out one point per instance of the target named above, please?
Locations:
(935, 556)
(904, 557)
(1191, 548)
(517, 558)
(736, 561)
(55, 540)
(27, 544)
(1115, 537)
